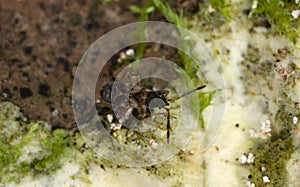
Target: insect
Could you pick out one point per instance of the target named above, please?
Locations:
(142, 101)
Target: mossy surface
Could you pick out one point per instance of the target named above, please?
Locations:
(273, 156)
(279, 15)
(16, 161)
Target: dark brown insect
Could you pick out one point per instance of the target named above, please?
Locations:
(142, 101)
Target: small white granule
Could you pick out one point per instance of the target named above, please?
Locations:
(122, 55)
(110, 118)
(296, 1)
(266, 179)
(295, 120)
(251, 158)
(295, 13)
(153, 143)
(250, 184)
(243, 159)
(55, 113)
(266, 126)
(266, 129)
(116, 126)
(253, 134)
(211, 9)
(130, 52)
(263, 169)
(254, 4)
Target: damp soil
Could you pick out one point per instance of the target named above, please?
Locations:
(42, 42)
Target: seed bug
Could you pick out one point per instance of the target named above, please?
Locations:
(140, 100)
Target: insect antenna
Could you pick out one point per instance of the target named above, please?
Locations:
(187, 93)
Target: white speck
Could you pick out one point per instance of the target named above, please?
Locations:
(266, 126)
(251, 158)
(296, 1)
(266, 179)
(250, 184)
(130, 52)
(265, 130)
(116, 126)
(122, 56)
(296, 13)
(254, 4)
(110, 118)
(55, 113)
(192, 152)
(211, 9)
(263, 169)
(153, 143)
(243, 159)
(253, 134)
(295, 120)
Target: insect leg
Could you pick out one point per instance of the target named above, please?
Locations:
(143, 103)
(168, 125)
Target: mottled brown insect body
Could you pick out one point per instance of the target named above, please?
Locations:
(142, 101)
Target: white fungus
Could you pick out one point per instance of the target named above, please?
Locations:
(247, 159)
(250, 158)
(254, 4)
(116, 126)
(266, 126)
(250, 184)
(55, 113)
(153, 143)
(211, 9)
(243, 159)
(130, 52)
(110, 118)
(266, 179)
(265, 131)
(295, 120)
(295, 13)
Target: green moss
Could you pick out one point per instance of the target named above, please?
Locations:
(278, 13)
(222, 8)
(33, 149)
(18, 134)
(272, 155)
(53, 149)
(214, 13)
(171, 168)
(169, 14)
(57, 146)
